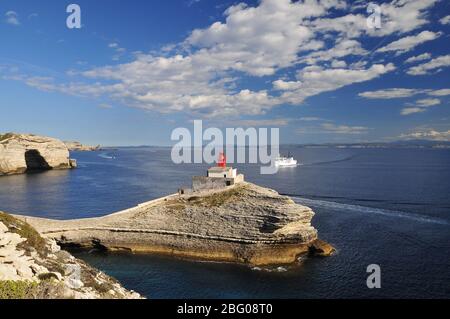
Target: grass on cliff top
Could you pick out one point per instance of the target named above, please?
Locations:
(34, 239)
(219, 198)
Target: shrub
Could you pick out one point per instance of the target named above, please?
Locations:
(17, 226)
(5, 136)
(10, 289)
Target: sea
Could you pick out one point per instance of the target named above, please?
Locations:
(386, 207)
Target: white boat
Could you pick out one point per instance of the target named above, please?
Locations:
(281, 161)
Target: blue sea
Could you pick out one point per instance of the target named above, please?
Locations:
(389, 207)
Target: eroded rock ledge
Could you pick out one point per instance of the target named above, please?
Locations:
(244, 223)
(77, 146)
(20, 153)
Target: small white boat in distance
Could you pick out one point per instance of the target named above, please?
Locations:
(282, 161)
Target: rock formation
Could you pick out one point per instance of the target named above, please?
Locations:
(243, 223)
(77, 146)
(20, 153)
(34, 267)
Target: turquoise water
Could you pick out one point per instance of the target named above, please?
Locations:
(377, 206)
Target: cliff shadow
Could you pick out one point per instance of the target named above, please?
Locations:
(35, 161)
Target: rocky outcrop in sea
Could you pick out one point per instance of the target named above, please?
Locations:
(32, 267)
(244, 223)
(20, 153)
(77, 146)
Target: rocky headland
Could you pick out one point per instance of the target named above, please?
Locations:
(77, 146)
(33, 267)
(20, 153)
(243, 223)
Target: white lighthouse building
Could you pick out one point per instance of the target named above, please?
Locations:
(217, 177)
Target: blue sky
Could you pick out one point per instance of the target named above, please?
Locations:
(138, 69)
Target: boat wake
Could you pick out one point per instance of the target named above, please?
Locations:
(348, 158)
(107, 156)
(368, 210)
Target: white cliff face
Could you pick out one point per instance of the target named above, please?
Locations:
(22, 152)
(77, 146)
(48, 271)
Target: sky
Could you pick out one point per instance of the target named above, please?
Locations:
(321, 71)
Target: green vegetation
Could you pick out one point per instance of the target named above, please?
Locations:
(34, 240)
(5, 136)
(10, 289)
(219, 198)
(176, 207)
(47, 276)
(23, 289)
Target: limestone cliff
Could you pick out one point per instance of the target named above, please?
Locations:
(20, 153)
(243, 223)
(34, 267)
(77, 146)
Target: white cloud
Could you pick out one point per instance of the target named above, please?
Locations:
(119, 51)
(341, 49)
(389, 93)
(11, 17)
(445, 20)
(344, 129)
(427, 102)
(420, 57)
(395, 93)
(259, 40)
(338, 64)
(276, 37)
(412, 110)
(286, 85)
(430, 134)
(408, 43)
(420, 106)
(311, 119)
(426, 68)
(404, 15)
(261, 122)
(398, 16)
(315, 80)
(441, 92)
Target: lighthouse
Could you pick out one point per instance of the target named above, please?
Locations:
(217, 177)
(221, 170)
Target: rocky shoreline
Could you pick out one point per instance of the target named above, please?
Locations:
(244, 223)
(21, 153)
(32, 267)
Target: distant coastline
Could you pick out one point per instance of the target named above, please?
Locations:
(77, 146)
(410, 144)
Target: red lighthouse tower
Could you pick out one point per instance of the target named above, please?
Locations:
(222, 160)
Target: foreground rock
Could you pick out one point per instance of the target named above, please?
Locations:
(77, 146)
(20, 153)
(34, 267)
(244, 223)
